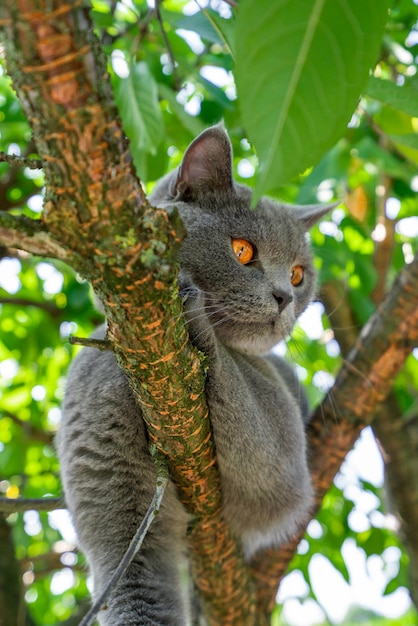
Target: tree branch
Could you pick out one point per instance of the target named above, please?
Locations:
(18, 161)
(49, 307)
(88, 342)
(13, 178)
(20, 505)
(13, 610)
(19, 231)
(29, 429)
(398, 438)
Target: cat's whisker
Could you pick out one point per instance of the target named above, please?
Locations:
(337, 415)
(302, 360)
(224, 319)
(302, 356)
(187, 311)
(205, 313)
(348, 327)
(356, 371)
(291, 343)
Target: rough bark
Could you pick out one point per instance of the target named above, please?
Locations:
(97, 219)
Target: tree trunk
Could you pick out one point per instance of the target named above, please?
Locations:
(13, 609)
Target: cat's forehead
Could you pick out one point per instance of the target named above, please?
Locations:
(272, 227)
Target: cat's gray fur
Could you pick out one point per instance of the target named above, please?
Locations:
(236, 314)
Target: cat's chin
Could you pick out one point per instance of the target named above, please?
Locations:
(256, 342)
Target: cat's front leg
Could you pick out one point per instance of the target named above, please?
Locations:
(261, 449)
(109, 480)
(150, 592)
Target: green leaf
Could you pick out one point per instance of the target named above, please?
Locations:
(300, 81)
(207, 23)
(137, 99)
(407, 145)
(217, 93)
(401, 580)
(189, 122)
(224, 28)
(410, 139)
(404, 98)
(201, 24)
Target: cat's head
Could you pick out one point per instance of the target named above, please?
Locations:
(251, 270)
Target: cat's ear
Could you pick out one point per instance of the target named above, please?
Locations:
(207, 164)
(310, 214)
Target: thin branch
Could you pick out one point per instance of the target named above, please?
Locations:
(167, 44)
(134, 546)
(88, 342)
(14, 178)
(19, 231)
(18, 161)
(20, 505)
(31, 430)
(48, 307)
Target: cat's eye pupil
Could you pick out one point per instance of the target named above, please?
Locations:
(296, 275)
(243, 250)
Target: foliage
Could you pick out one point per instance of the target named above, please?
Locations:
(317, 62)
(172, 75)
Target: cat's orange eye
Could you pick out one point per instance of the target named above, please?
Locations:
(243, 250)
(296, 275)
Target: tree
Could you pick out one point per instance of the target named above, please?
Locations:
(97, 220)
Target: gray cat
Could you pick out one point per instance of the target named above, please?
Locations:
(245, 278)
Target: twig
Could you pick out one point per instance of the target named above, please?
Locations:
(167, 44)
(19, 505)
(143, 21)
(134, 546)
(12, 179)
(17, 161)
(30, 430)
(88, 342)
(49, 307)
(24, 233)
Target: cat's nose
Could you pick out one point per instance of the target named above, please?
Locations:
(283, 298)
